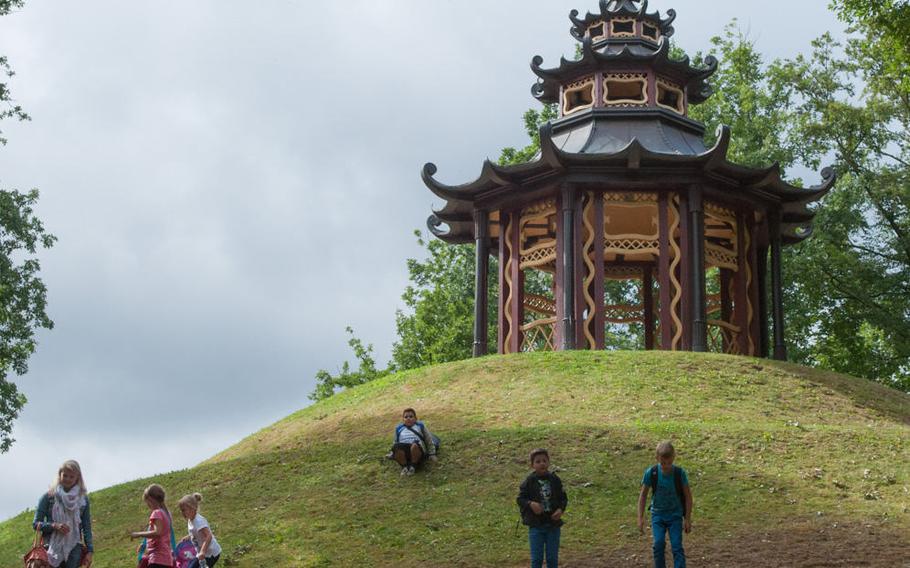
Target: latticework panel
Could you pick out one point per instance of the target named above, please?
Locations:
(721, 257)
(723, 337)
(539, 335)
(624, 313)
(540, 305)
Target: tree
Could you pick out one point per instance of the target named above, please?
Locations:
(847, 303)
(23, 296)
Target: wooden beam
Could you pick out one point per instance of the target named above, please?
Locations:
(481, 278)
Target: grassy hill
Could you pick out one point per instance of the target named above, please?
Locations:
(788, 465)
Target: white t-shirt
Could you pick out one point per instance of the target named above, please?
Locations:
(406, 436)
(197, 524)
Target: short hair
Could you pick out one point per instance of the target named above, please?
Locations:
(192, 500)
(538, 452)
(665, 449)
(411, 410)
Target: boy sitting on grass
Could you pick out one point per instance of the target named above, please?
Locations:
(671, 505)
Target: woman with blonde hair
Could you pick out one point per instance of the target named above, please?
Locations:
(64, 518)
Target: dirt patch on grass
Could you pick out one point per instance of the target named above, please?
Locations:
(801, 546)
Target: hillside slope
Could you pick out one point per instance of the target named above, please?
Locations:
(787, 465)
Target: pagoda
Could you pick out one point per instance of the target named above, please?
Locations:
(624, 187)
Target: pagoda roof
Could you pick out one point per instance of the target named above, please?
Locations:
(610, 9)
(597, 151)
(619, 57)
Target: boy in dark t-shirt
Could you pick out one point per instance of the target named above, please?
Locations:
(542, 500)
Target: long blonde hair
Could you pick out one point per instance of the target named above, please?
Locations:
(73, 466)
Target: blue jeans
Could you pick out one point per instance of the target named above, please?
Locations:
(209, 562)
(75, 557)
(544, 539)
(660, 525)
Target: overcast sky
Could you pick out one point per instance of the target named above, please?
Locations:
(232, 186)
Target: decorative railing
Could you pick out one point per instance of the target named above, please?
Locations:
(623, 313)
(723, 337)
(539, 335)
(540, 305)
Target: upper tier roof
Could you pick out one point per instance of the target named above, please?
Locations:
(610, 9)
(628, 55)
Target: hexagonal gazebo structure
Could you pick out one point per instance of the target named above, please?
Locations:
(624, 188)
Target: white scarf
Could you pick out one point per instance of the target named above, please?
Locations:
(67, 509)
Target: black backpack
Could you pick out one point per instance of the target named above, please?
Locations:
(677, 481)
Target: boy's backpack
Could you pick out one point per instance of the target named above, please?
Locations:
(185, 553)
(677, 481)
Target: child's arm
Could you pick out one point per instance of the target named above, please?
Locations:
(687, 524)
(642, 499)
(524, 499)
(562, 501)
(206, 535)
(155, 531)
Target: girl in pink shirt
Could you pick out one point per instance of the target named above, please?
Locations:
(158, 553)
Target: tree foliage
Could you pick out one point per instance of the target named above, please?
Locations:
(847, 302)
(23, 296)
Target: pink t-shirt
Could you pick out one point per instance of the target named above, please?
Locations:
(158, 549)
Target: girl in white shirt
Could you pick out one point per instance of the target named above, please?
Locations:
(208, 551)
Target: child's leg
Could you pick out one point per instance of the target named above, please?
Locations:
(402, 454)
(659, 528)
(416, 454)
(676, 542)
(552, 547)
(212, 560)
(536, 538)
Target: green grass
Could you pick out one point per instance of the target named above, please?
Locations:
(781, 442)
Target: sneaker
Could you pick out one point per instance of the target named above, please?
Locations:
(411, 470)
(404, 471)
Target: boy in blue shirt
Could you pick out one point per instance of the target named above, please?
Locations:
(671, 505)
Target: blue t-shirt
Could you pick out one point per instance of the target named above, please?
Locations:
(664, 500)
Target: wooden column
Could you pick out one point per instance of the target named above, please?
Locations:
(755, 327)
(516, 308)
(697, 304)
(740, 290)
(762, 270)
(777, 293)
(647, 299)
(597, 210)
(501, 324)
(684, 272)
(663, 271)
(726, 307)
(566, 281)
(481, 278)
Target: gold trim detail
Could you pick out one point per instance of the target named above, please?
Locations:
(506, 348)
(577, 86)
(666, 85)
(640, 78)
(588, 253)
(673, 210)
